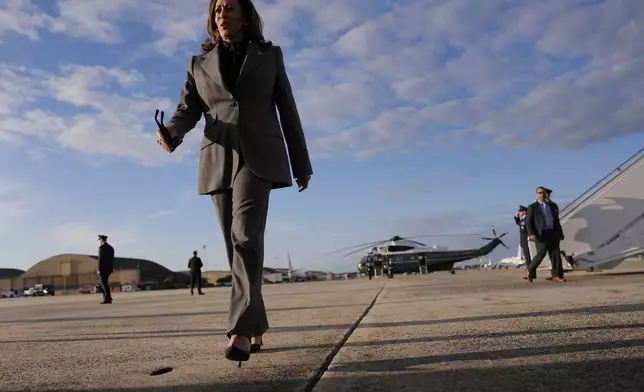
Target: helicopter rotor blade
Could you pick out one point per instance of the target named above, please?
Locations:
(440, 235)
(364, 246)
(358, 250)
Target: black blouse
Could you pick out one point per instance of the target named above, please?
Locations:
(231, 58)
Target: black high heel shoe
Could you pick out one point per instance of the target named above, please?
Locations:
(254, 347)
(236, 354)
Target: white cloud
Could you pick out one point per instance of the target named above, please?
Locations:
(368, 76)
(11, 203)
(22, 17)
(17, 88)
(82, 237)
(94, 19)
(500, 82)
(106, 121)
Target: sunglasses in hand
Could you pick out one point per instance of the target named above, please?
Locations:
(169, 141)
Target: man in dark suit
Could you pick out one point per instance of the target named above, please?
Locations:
(195, 264)
(519, 219)
(542, 224)
(105, 267)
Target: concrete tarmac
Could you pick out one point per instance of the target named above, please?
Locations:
(473, 331)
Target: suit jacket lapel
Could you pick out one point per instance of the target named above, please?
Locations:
(253, 59)
(210, 65)
(539, 218)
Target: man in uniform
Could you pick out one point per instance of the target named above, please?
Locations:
(105, 267)
(519, 219)
(195, 264)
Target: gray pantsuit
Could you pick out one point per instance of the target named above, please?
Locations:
(243, 123)
(244, 239)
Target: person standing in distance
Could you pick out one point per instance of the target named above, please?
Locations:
(195, 264)
(519, 219)
(422, 264)
(105, 267)
(237, 82)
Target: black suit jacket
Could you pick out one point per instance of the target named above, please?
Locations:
(105, 259)
(534, 219)
(195, 264)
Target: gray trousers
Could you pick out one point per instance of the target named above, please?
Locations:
(242, 214)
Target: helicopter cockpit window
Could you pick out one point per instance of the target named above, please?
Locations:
(399, 248)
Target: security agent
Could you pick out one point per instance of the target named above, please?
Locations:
(542, 223)
(105, 267)
(519, 219)
(195, 264)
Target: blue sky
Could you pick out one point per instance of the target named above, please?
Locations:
(421, 117)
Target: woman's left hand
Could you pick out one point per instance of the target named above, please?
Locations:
(303, 183)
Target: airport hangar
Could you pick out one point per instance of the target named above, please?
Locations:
(69, 272)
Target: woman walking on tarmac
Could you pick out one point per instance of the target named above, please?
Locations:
(236, 83)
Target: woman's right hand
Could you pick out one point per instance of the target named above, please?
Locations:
(162, 142)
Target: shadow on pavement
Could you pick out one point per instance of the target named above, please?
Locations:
(161, 315)
(605, 309)
(401, 365)
(608, 375)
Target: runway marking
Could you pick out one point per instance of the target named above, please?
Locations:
(313, 381)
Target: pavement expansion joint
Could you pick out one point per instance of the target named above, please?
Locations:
(310, 385)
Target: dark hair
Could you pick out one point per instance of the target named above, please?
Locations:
(252, 29)
(194, 253)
